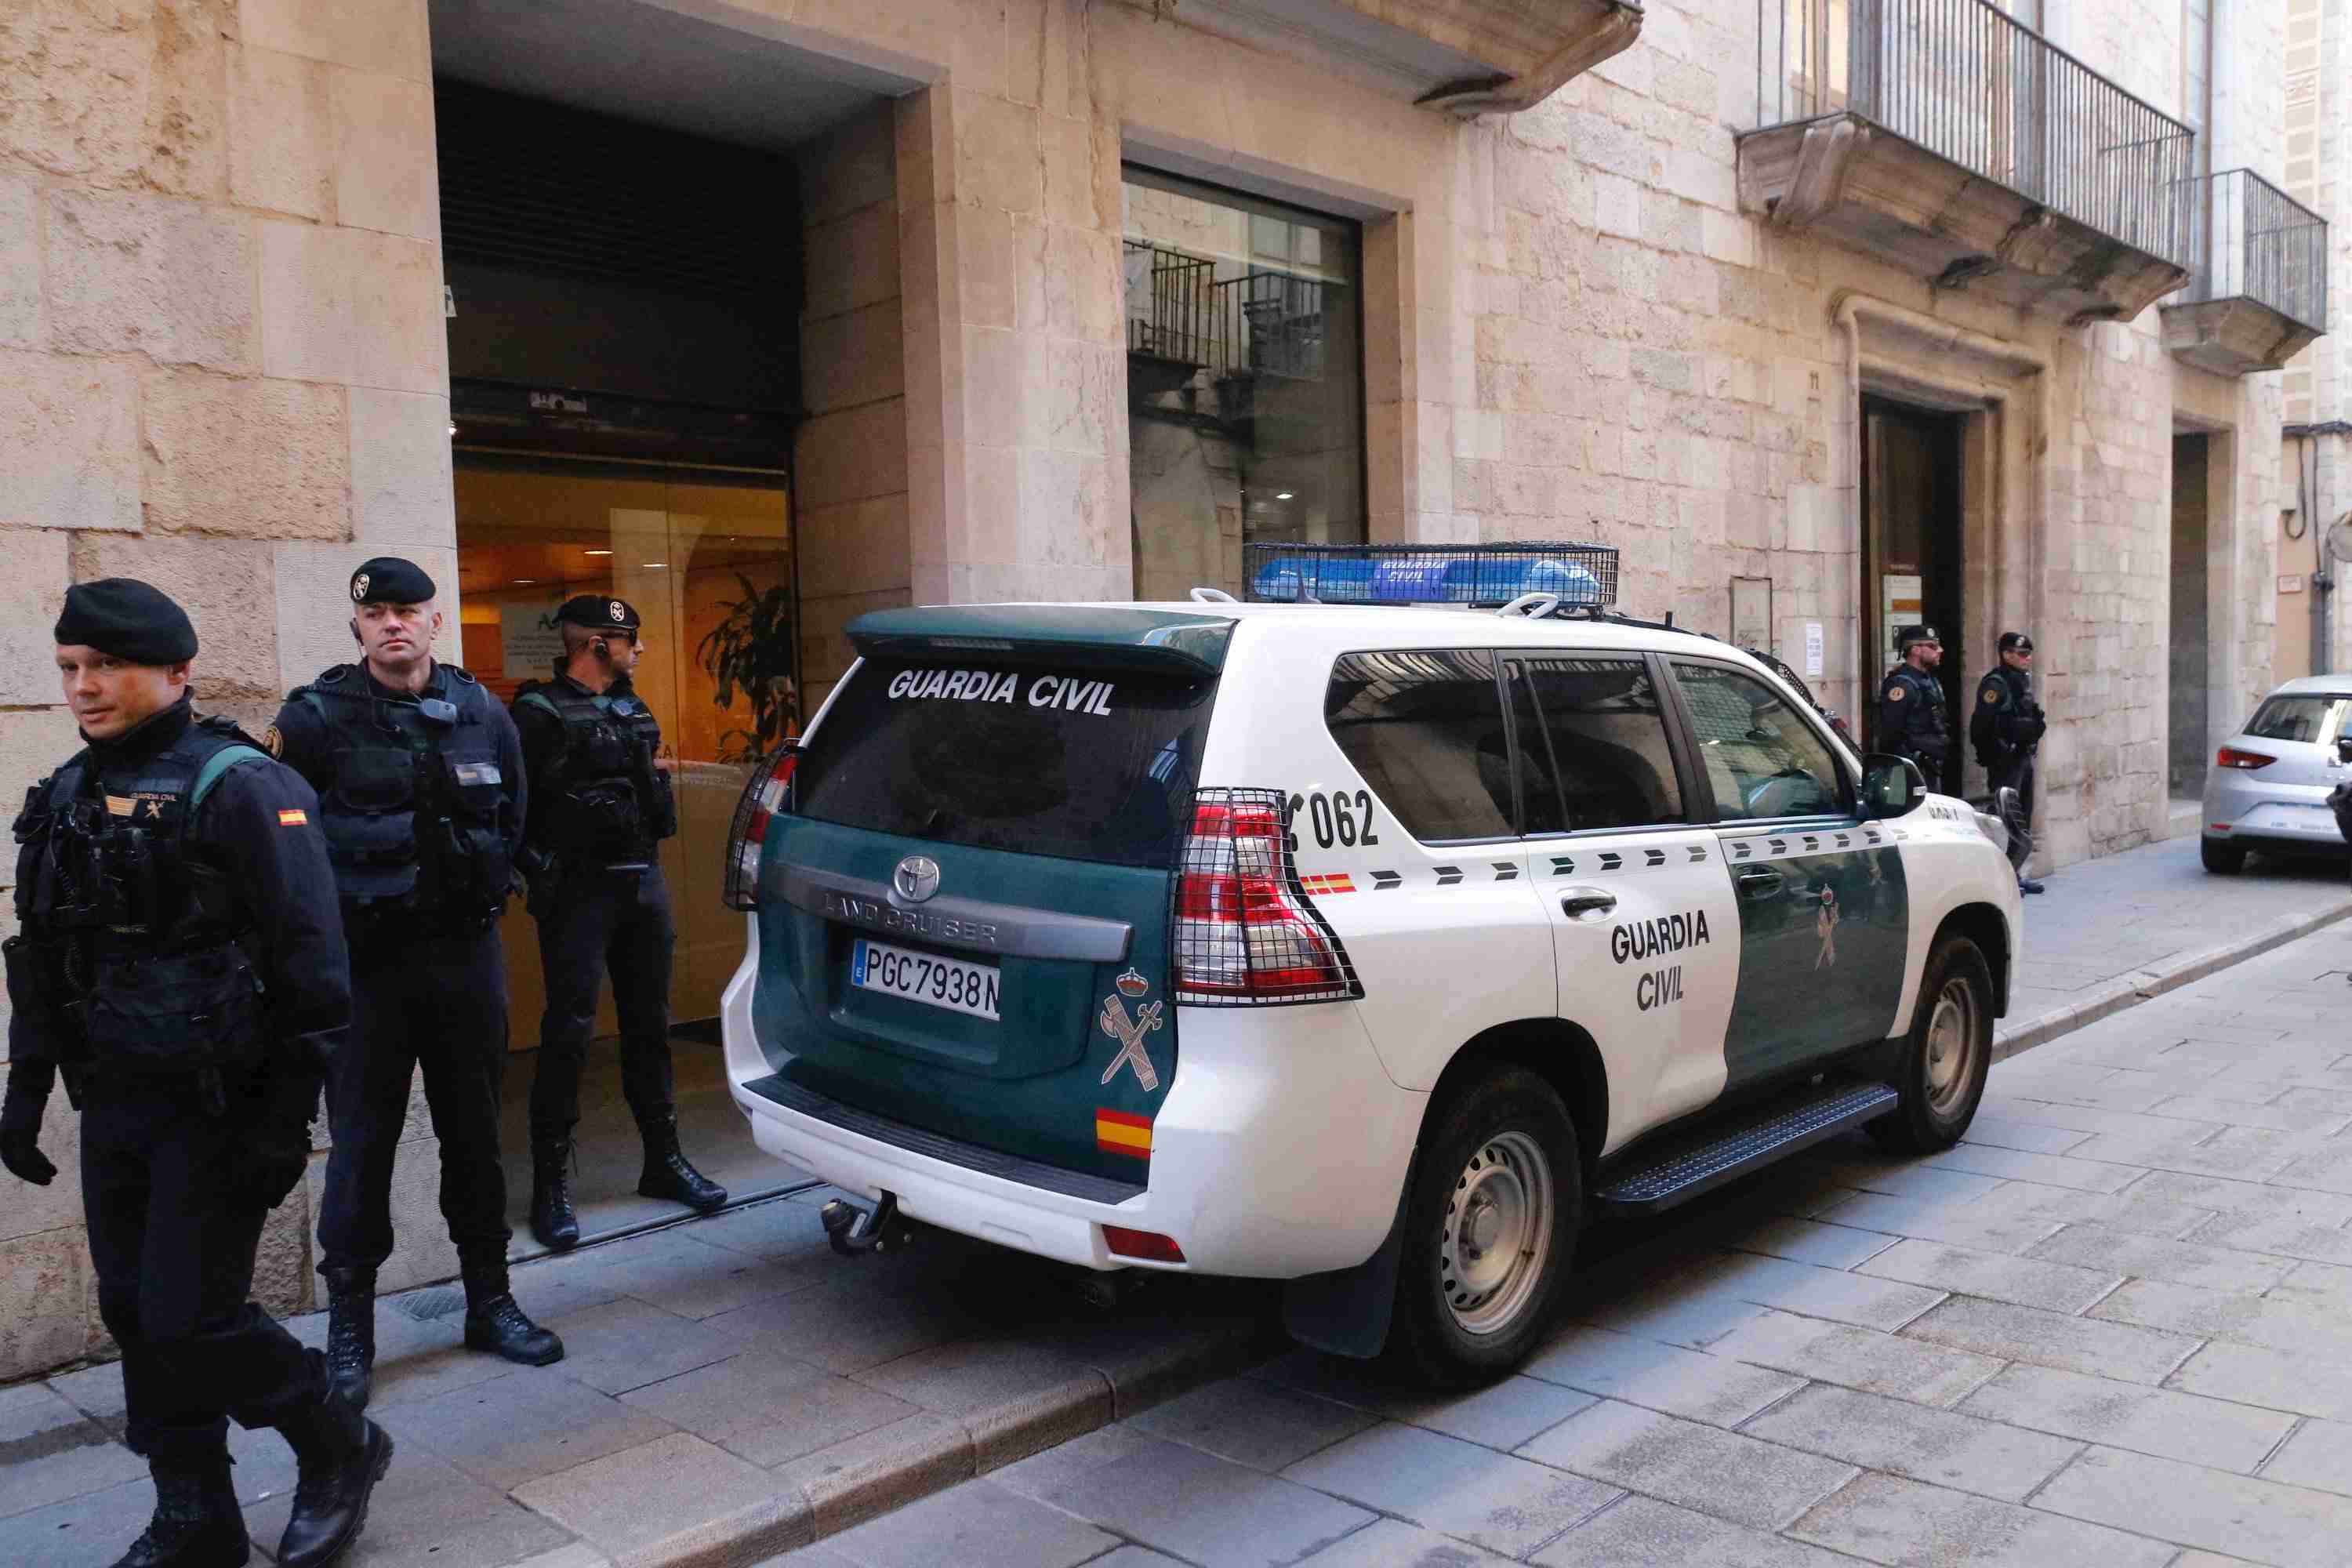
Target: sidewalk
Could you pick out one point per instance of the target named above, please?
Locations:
(734, 1389)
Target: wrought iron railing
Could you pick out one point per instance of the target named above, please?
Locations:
(2244, 238)
(1961, 79)
(1263, 321)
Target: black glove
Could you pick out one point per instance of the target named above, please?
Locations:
(271, 1155)
(20, 1126)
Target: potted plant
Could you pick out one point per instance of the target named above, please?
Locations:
(755, 647)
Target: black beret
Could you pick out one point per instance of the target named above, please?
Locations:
(389, 580)
(129, 619)
(598, 613)
(2016, 642)
(1910, 634)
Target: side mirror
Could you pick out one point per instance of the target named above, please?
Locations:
(1890, 786)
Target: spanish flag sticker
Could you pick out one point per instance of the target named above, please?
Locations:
(293, 816)
(1116, 1132)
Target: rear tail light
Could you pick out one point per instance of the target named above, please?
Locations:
(1247, 932)
(769, 793)
(2231, 757)
(1148, 1244)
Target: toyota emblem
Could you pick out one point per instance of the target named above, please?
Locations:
(916, 878)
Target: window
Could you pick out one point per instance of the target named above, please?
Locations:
(1244, 376)
(1425, 729)
(1762, 759)
(1596, 727)
(2318, 718)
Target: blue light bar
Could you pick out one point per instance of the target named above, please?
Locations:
(1431, 575)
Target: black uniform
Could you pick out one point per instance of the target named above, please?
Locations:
(180, 961)
(2005, 729)
(1912, 723)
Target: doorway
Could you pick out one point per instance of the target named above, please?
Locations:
(2188, 711)
(1911, 566)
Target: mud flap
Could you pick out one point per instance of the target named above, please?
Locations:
(1347, 1310)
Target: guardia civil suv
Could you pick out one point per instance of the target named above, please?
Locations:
(1365, 946)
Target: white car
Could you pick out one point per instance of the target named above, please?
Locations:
(2267, 789)
(1367, 949)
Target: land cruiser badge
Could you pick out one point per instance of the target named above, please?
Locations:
(1129, 1035)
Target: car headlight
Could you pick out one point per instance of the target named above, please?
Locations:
(1994, 828)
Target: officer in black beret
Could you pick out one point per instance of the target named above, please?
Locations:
(180, 964)
(1911, 718)
(600, 806)
(2006, 727)
(420, 783)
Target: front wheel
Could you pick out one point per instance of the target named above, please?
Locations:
(2223, 859)
(1946, 1055)
(1490, 1229)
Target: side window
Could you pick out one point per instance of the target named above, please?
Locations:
(1601, 729)
(1425, 729)
(1762, 759)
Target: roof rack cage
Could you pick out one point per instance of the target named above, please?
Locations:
(1584, 577)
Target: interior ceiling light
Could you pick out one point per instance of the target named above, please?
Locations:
(1282, 495)
(525, 580)
(595, 552)
(653, 562)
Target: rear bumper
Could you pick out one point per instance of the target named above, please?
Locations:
(1279, 1150)
(2240, 807)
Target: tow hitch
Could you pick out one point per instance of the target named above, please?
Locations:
(852, 1230)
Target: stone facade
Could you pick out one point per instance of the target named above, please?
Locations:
(222, 364)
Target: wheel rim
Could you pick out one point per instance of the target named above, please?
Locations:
(1952, 1046)
(1497, 1233)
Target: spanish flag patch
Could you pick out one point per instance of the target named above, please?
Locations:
(1116, 1132)
(293, 816)
(1332, 882)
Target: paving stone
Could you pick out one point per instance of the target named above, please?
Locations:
(2294, 1527)
(2088, 1174)
(1832, 1294)
(2287, 1118)
(1067, 1462)
(1134, 1557)
(976, 1525)
(858, 1478)
(1675, 1310)
(1015, 1398)
(1907, 1179)
(1996, 1276)
(628, 1343)
(767, 1407)
(1809, 1241)
(778, 1229)
(2153, 1257)
(2132, 1210)
(1714, 1388)
(2173, 1426)
(1699, 1466)
(1206, 1509)
(1642, 1532)
(692, 1279)
(1909, 1524)
(2034, 1137)
(423, 1514)
(2318, 1456)
(79, 1533)
(846, 1329)
(2321, 1284)
(520, 1426)
(1963, 1452)
(2010, 1332)
(50, 1451)
(1969, 1223)
(669, 1494)
(1863, 1359)
(1394, 1544)
(2285, 1322)
(2254, 1200)
(2009, 1106)
(95, 1391)
(2237, 1153)
(2275, 1380)
(1261, 1425)
(1500, 1502)
(1502, 1416)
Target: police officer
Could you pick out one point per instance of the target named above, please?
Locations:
(1911, 720)
(180, 965)
(421, 793)
(2006, 727)
(600, 805)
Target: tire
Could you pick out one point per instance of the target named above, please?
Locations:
(2222, 859)
(1942, 1064)
(1498, 1153)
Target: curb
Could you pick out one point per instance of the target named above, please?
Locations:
(2145, 984)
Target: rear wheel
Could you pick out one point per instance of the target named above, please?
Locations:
(1948, 1053)
(2222, 859)
(1490, 1229)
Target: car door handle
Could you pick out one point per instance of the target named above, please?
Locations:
(1587, 904)
(1759, 882)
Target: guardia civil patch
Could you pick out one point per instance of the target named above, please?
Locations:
(1894, 694)
(273, 743)
(1992, 695)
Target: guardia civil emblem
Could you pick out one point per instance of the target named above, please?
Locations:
(359, 588)
(613, 605)
(1129, 1033)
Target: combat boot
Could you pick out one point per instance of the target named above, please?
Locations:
(666, 1173)
(495, 1324)
(338, 1455)
(197, 1523)
(552, 1217)
(350, 1332)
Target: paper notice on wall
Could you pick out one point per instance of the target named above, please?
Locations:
(528, 638)
(1898, 606)
(1814, 656)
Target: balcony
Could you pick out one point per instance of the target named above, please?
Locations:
(2257, 293)
(1945, 138)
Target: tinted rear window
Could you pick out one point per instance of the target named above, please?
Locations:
(1425, 729)
(1085, 764)
(2316, 718)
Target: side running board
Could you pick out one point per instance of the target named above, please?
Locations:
(1681, 1169)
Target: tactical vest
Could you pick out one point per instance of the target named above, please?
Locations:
(417, 821)
(605, 800)
(129, 959)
